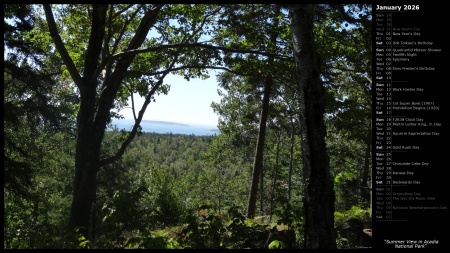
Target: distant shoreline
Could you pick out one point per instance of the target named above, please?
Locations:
(158, 126)
(162, 122)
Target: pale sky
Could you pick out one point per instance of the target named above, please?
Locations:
(187, 102)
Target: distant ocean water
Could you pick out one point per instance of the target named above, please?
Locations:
(167, 127)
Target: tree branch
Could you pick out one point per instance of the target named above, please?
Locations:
(96, 37)
(141, 32)
(106, 60)
(123, 30)
(113, 82)
(132, 104)
(133, 132)
(60, 47)
(199, 45)
(105, 50)
(137, 73)
(122, 11)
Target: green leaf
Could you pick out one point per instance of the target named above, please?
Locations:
(275, 244)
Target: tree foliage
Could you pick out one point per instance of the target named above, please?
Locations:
(36, 104)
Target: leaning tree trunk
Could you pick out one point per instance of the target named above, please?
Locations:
(319, 193)
(258, 164)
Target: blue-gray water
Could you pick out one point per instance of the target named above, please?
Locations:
(167, 127)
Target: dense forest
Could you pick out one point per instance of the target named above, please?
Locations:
(291, 167)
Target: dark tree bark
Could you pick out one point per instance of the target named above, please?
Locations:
(259, 156)
(319, 193)
(365, 187)
(291, 158)
(274, 177)
(261, 190)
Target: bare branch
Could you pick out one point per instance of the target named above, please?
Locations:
(124, 28)
(199, 45)
(61, 48)
(137, 73)
(132, 104)
(133, 132)
(143, 28)
(122, 11)
(370, 80)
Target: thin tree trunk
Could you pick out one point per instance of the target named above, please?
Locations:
(274, 177)
(291, 158)
(258, 165)
(318, 186)
(218, 191)
(365, 188)
(261, 191)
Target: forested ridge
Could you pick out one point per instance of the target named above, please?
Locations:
(291, 167)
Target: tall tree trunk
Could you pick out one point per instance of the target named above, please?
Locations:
(87, 159)
(219, 196)
(274, 177)
(261, 190)
(365, 188)
(291, 158)
(319, 194)
(258, 164)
